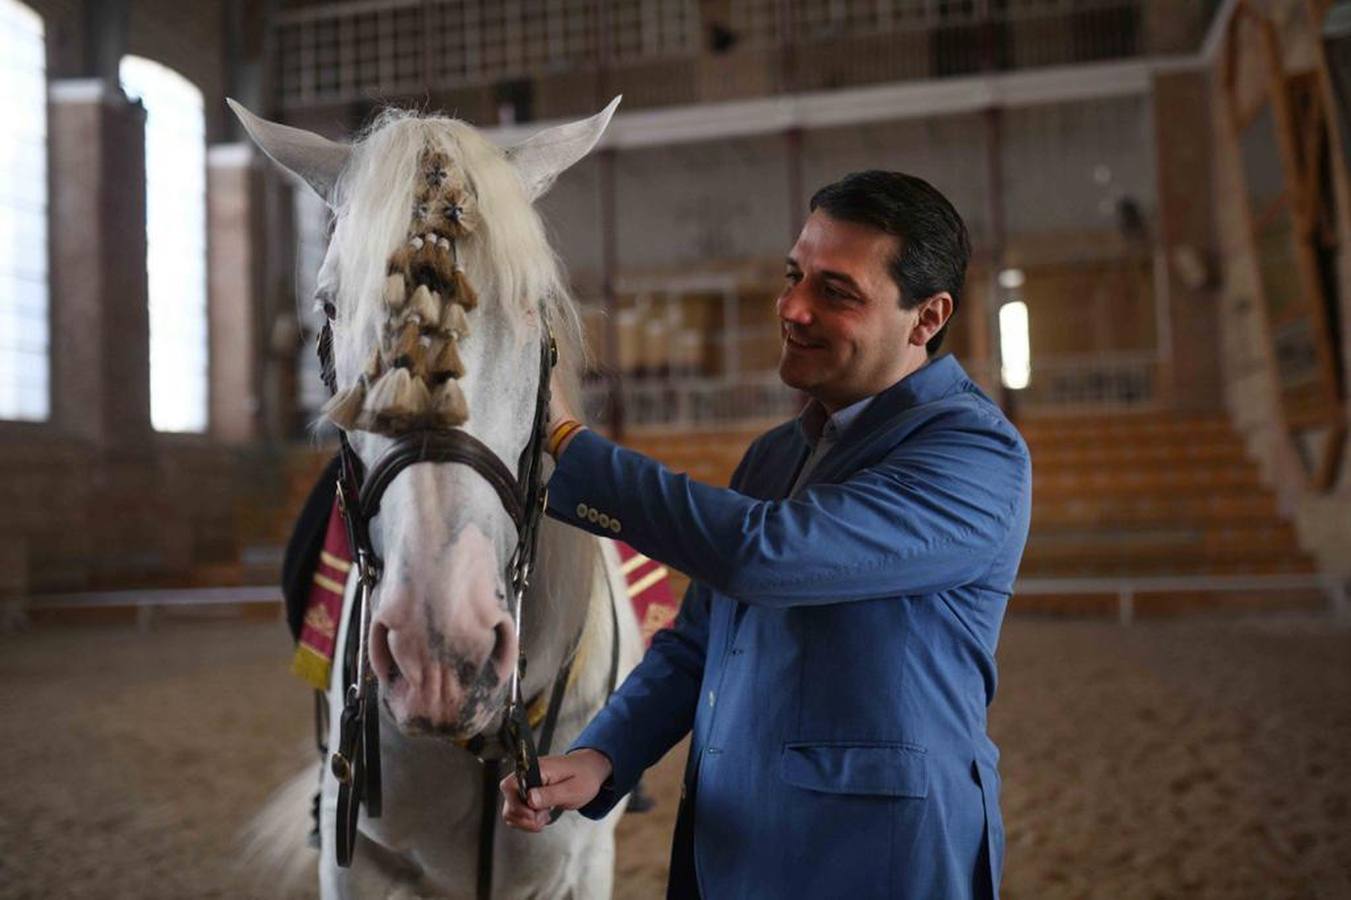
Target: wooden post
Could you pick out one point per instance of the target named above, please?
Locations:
(797, 207)
(983, 321)
(608, 264)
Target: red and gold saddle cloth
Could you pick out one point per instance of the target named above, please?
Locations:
(319, 632)
(649, 591)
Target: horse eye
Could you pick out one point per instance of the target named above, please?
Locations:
(323, 300)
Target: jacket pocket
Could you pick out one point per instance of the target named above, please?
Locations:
(876, 769)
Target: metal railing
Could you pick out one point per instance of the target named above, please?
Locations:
(338, 52)
(1098, 382)
(1068, 384)
(697, 402)
(383, 49)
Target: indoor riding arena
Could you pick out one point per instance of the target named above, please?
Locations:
(1158, 200)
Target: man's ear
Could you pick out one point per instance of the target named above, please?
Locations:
(934, 313)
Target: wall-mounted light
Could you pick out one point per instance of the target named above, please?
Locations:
(1015, 348)
(1011, 279)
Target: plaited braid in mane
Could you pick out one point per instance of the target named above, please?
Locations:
(410, 380)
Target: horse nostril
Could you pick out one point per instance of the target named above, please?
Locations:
(382, 657)
(503, 641)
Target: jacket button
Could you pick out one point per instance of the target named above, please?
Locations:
(592, 514)
(581, 510)
(614, 525)
(603, 521)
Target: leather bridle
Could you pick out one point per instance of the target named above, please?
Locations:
(356, 761)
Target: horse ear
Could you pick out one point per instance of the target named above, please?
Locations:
(543, 156)
(314, 158)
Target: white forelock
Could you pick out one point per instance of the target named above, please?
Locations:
(507, 257)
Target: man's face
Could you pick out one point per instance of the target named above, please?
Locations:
(845, 336)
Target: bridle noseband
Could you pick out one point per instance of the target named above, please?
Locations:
(356, 761)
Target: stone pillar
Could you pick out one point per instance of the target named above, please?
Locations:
(234, 194)
(101, 328)
(1187, 281)
(101, 331)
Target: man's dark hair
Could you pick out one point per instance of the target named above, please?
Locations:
(934, 247)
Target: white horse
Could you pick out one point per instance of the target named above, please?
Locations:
(442, 640)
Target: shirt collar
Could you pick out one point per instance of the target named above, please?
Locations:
(935, 379)
(815, 423)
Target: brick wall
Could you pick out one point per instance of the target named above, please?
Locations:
(93, 497)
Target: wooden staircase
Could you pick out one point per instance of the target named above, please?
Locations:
(1148, 495)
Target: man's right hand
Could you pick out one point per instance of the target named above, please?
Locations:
(570, 782)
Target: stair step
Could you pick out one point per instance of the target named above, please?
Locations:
(1090, 567)
(1146, 508)
(1116, 483)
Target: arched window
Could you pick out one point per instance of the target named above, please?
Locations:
(25, 370)
(175, 214)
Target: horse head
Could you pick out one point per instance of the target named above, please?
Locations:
(440, 288)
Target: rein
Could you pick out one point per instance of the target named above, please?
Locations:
(356, 761)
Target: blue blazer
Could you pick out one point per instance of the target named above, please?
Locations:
(834, 655)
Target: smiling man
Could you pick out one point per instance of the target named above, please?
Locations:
(834, 656)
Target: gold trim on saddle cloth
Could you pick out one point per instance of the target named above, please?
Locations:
(649, 591)
(313, 661)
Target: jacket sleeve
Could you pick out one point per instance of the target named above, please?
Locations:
(654, 707)
(929, 516)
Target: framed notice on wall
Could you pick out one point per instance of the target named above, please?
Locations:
(1281, 131)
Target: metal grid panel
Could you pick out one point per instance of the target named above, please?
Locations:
(642, 29)
(347, 51)
(473, 42)
(759, 22)
(382, 48)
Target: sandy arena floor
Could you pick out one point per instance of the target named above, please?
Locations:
(1197, 759)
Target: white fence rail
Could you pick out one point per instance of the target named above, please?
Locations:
(146, 603)
(1125, 590)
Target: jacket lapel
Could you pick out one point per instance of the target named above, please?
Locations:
(772, 475)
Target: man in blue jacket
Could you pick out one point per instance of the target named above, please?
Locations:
(834, 656)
